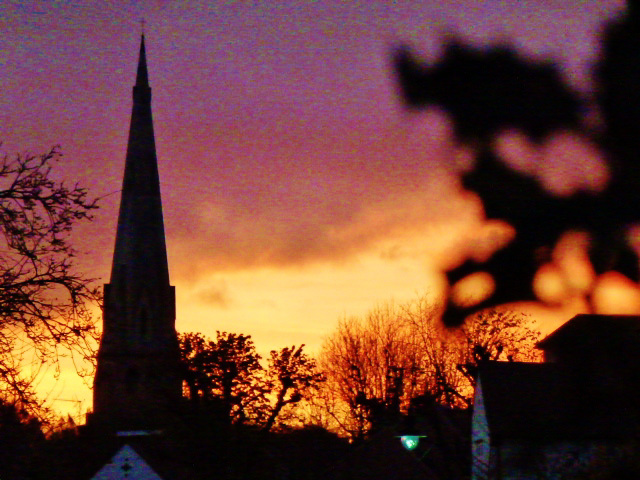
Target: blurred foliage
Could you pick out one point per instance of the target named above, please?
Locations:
(489, 91)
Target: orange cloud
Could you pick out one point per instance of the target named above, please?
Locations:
(394, 185)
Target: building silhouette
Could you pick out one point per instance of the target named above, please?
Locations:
(575, 415)
(137, 382)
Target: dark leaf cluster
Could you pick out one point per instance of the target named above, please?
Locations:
(221, 370)
(492, 90)
(226, 375)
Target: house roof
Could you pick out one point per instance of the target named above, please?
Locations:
(82, 457)
(548, 401)
(589, 330)
(126, 463)
(197, 451)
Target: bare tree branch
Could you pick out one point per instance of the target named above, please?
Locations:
(45, 305)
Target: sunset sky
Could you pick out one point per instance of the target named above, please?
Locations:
(296, 189)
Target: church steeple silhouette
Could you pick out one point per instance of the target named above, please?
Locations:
(137, 382)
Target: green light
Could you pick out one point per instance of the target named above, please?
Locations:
(410, 442)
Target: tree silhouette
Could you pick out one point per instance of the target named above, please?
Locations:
(292, 375)
(380, 365)
(44, 302)
(224, 371)
(226, 374)
(489, 91)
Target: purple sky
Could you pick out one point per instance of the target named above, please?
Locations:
(295, 188)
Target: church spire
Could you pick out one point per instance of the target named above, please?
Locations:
(140, 242)
(142, 77)
(137, 378)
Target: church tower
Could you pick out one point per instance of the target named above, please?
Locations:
(137, 380)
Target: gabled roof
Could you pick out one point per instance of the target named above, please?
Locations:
(170, 457)
(546, 401)
(588, 330)
(126, 463)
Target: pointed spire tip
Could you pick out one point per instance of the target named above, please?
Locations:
(142, 76)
